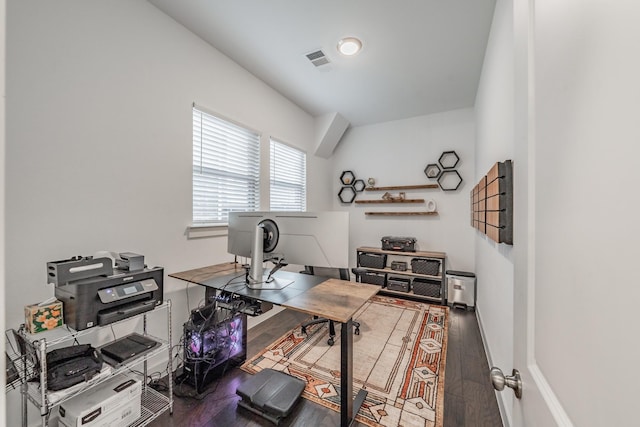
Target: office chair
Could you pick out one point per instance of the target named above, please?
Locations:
(336, 273)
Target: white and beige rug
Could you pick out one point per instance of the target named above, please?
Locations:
(399, 358)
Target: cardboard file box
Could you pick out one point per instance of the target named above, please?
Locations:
(43, 317)
(115, 403)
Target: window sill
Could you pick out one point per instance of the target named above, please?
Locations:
(202, 231)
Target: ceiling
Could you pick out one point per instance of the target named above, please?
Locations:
(418, 57)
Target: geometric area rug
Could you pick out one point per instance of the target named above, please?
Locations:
(399, 358)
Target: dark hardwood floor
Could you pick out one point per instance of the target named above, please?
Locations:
(469, 396)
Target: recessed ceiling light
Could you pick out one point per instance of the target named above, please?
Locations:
(349, 46)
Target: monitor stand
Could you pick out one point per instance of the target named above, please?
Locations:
(268, 283)
(257, 278)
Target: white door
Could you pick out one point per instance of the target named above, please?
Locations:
(576, 205)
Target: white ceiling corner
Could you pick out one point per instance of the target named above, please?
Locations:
(418, 57)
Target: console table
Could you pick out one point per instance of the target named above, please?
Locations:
(334, 299)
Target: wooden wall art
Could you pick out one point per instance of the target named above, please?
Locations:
(492, 203)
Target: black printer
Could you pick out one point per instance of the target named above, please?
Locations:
(107, 297)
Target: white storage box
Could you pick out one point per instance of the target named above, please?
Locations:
(115, 403)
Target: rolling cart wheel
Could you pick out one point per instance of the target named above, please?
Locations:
(330, 341)
(357, 331)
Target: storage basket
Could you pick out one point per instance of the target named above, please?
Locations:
(372, 278)
(427, 287)
(401, 284)
(425, 266)
(370, 260)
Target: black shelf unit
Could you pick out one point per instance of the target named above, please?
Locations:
(432, 287)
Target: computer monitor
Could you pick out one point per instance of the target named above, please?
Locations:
(302, 238)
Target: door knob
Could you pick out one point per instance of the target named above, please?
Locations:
(499, 380)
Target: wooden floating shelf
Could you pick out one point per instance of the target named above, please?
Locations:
(403, 187)
(425, 254)
(401, 213)
(392, 201)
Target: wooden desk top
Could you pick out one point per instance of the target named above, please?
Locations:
(334, 299)
(201, 275)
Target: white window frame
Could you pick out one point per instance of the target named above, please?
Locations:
(226, 168)
(287, 177)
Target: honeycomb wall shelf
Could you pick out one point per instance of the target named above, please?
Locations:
(448, 159)
(347, 178)
(359, 185)
(432, 171)
(449, 180)
(347, 194)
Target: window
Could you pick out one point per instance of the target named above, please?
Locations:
(226, 168)
(288, 178)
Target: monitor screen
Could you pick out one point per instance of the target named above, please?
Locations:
(318, 239)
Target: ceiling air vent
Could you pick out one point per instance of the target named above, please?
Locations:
(317, 58)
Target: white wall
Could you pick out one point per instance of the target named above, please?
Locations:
(396, 153)
(98, 145)
(3, 5)
(495, 143)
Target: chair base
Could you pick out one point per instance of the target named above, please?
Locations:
(332, 328)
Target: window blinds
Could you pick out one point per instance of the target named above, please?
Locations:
(226, 168)
(288, 172)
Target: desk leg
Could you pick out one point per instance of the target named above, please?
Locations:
(209, 294)
(348, 406)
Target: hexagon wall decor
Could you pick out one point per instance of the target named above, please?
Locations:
(432, 171)
(448, 159)
(359, 185)
(449, 180)
(347, 194)
(347, 178)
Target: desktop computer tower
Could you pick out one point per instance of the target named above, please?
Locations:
(215, 340)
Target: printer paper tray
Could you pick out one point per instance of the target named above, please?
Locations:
(119, 313)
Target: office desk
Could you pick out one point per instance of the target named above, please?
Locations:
(334, 299)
